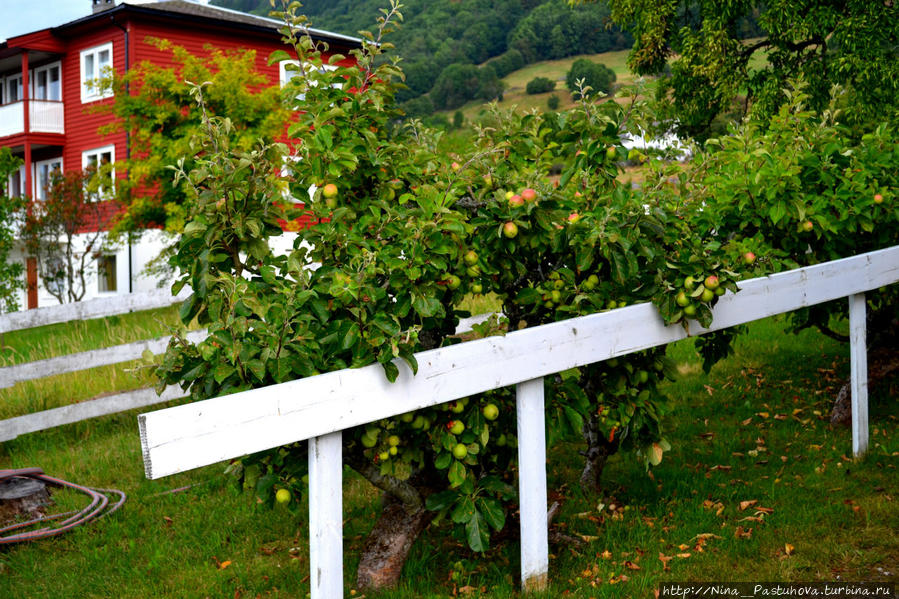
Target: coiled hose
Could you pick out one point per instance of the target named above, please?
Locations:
(99, 506)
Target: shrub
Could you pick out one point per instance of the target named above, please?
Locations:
(458, 119)
(540, 85)
(597, 76)
(553, 102)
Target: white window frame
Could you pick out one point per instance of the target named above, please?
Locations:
(11, 189)
(12, 80)
(91, 90)
(33, 78)
(102, 277)
(39, 193)
(93, 156)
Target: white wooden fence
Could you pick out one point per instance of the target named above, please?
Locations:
(319, 408)
(111, 404)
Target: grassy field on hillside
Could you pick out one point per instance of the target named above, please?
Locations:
(516, 82)
(758, 486)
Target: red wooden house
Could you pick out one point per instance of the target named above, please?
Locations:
(46, 94)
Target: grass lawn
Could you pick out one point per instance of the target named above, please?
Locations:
(758, 487)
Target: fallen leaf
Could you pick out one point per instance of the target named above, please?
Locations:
(631, 565)
(720, 467)
(763, 414)
(606, 554)
(749, 503)
(788, 549)
(467, 589)
(168, 521)
(684, 555)
(780, 417)
(742, 533)
(747, 421)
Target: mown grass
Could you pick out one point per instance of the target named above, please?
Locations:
(755, 429)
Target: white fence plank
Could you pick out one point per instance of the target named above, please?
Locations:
(858, 361)
(326, 516)
(197, 434)
(532, 485)
(102, 406)
(96, 308)
(10, 375)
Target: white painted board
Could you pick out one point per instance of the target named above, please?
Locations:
(197, 434)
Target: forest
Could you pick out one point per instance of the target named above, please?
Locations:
(458, 50)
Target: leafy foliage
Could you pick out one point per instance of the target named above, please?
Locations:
(10, 212)
(65, 232)
(155, 107)
(714, 71)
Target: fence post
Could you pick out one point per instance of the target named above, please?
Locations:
(326, 516)
(858, 352)
(532, 485)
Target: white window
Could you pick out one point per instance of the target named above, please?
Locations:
(106, 274)
(46, 83)
(12, 89)
(96, 63)
(16, 183)
(96, 159)
(43, 172)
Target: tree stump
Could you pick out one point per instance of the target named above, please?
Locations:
(22, 498)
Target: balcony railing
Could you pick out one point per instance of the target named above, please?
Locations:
(45, 116)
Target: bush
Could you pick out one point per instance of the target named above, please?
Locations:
(459, 83)
(597, 76)
(419, 107)
(553, 102)
(540, 85)
(506, 63)
(458, 119)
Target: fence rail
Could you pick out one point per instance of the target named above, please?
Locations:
(319, 408)
(101, 406)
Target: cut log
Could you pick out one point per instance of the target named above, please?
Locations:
(22, 498)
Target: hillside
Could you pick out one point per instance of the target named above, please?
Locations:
(438, 35)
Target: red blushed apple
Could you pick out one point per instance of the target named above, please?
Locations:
(748, 258)
(878, 198)
(574, 217)
(510, 230)
(516, 200)
(529, 195)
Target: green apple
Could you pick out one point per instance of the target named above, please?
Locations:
(707, 295)
(393, 440)
(460, 451)
(282, 496)
(453, 282)
(470, 257)
(477, 288)
(682, 300)
(490, 411)
(690, 311)
(456, 427)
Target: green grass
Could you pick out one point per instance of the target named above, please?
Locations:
(755, 428)
(77, 336)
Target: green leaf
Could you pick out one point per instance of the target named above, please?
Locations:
(493, 512)
(440, 501)
(457, 473)
(477, 533)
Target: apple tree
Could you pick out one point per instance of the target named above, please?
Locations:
(401, 234)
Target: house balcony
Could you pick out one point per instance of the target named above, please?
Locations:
(44, 116)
